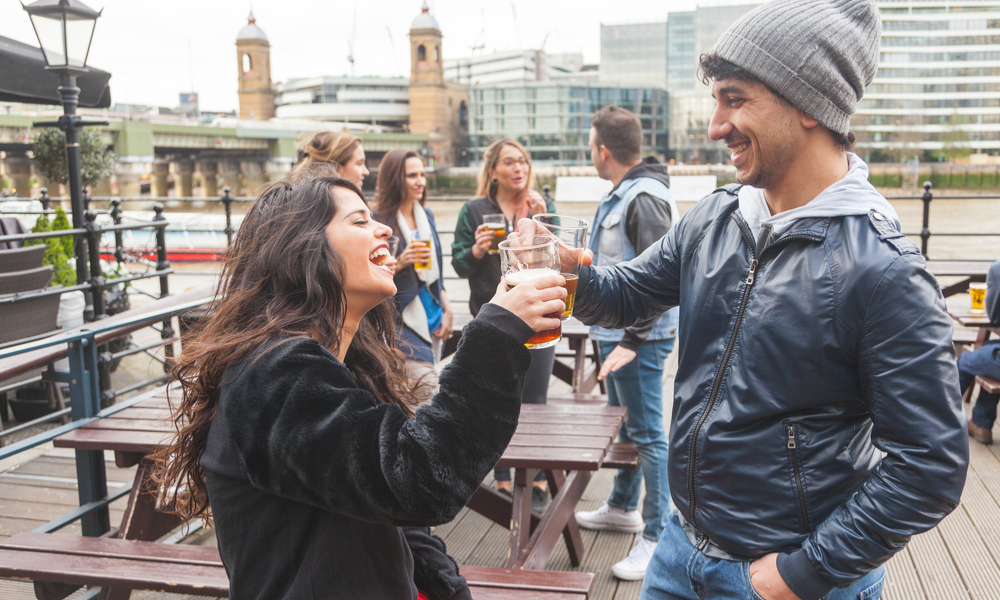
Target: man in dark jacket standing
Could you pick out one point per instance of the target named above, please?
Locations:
(817, 423)
(633, 216)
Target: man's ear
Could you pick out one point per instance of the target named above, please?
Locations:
(605, 153)
(807, 121)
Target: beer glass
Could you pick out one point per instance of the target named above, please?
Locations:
(422, 266)
(393, 242)
(572, 234)
(527, 258)
(498, 225)
(977, 293)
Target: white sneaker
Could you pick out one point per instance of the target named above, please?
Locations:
(633, 567)
(611, 518)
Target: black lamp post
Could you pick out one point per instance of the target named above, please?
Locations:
(64, 29)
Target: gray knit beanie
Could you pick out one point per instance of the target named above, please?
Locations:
(819, 54)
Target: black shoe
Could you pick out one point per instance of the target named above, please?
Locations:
(539, 499)
(505, 492)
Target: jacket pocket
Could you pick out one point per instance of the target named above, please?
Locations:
(797, 481)
(610, 247)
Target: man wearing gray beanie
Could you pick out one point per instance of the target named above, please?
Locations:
(817, 421)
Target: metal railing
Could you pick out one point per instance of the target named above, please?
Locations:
(89, 238)
(83, 379)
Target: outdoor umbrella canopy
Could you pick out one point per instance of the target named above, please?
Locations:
(23, 78)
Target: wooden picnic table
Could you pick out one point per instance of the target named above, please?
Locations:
(975, 319)
(968, 270)
(582, 377)
(569, 443)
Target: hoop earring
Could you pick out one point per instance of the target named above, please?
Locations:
(494, 181)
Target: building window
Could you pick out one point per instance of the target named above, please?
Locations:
(437, 54)
(247, 63)
(421, 53)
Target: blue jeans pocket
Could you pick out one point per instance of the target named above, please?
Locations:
(751, 593)
(873, 591)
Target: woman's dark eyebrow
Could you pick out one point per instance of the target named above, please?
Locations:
(364, 212)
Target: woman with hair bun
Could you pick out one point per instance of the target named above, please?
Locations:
(342, 151)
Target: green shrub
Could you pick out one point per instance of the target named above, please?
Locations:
(58, 250)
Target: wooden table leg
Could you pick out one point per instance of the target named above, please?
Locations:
(520, 522)
(141, 520)
(571, 533)
(536, 552)
(496, 507)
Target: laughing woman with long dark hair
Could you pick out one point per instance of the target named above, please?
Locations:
(295, 423)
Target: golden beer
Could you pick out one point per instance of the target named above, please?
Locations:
(977, 293)
(571, 281)
(548, 337)
(499, 233)
(422, 266)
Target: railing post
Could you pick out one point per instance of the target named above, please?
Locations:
(116, 216)
(97, 283)
(547, 194)
(92, 481)
(44, 198)
(162, 264)
(86, 198)
(227, 201)
(925, 232)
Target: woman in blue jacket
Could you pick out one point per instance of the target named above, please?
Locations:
(425, 315)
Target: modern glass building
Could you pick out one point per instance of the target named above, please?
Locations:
(681, 58)
(634, 53)
(552, 118)
(937, 91)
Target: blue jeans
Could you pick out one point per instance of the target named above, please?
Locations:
(679, 571)
(638, 386)
(984, 361)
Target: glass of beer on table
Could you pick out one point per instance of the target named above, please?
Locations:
(572, 234)
(421, 266)
(498, 225)
(527, 258)
(977, 294)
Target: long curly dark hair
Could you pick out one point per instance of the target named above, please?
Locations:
(281, 278)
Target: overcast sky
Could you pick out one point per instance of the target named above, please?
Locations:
(155, 50)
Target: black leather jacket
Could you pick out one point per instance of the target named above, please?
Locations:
(797, 363)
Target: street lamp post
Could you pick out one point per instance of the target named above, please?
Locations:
(65, 29)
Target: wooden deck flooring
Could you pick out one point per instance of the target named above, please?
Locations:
(958, 560)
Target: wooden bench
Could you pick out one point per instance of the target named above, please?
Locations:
(988, 384)
(59, 564)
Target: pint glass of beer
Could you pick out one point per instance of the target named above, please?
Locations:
(572, 234)
(525, 259)
(497, 224)
(977, 293)
(422, 266)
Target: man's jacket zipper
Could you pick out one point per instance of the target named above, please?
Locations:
(798, 477)
(755, 265)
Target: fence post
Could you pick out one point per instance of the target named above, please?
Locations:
(162, 264)
(86, 198)
(44, 198)
(925, 232)
(227, 200)
(97, 282)
(116, 216)
(92, 482)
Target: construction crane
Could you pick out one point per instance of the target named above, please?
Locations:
(350, 42)
(392, 46)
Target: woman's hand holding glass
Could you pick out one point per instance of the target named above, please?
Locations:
(533, 300)
(484, 237)
(412, 254)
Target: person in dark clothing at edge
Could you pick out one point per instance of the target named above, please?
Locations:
(295, 421)
(632, 358)
(811, 334)
(986, 362)
(505, 187)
